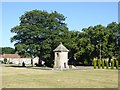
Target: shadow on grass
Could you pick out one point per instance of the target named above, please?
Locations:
(28, 67)
(17, 66)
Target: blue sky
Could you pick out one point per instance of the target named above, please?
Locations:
(79, 14)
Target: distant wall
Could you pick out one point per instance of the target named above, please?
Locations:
(20, 60)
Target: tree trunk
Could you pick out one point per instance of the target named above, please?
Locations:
(32, 62)
(40, 61)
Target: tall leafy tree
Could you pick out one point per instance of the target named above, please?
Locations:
(38, 33)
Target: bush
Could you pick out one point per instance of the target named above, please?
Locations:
(103, 64)
(112, 64)
(107, 65)
(5, 60)
(117, 64)
(99, 63)
(94, 63)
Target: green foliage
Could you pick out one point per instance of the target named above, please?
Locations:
(117, 64)
(47, 30)
(20, 49)
(7, 50)
(91, 37)
(107, 65)
(95, 63)
(103, 64)
(99, 63)
(5, 60)
(112, 64)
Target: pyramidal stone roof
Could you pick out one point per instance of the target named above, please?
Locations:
(61, 48)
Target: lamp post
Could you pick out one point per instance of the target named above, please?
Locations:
(116, 51)
(32, 60)
(100, 50)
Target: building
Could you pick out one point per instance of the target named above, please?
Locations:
(15, 59)
(61, 57)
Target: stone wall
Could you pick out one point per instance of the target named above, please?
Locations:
(61, 60)
(20, 60)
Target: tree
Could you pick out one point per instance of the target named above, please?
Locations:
(20, 49)
(114, 38)
(7, 50)
(96, 40)
(38, 33)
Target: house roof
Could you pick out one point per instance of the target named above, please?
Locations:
(0, 55)
(61, 48)
(9, 56)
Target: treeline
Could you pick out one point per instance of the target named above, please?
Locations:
(40, 32)
(7, 50)
(98, 41)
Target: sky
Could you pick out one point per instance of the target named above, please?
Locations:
(79, 15)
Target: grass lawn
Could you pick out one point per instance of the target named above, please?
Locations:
(14, 77)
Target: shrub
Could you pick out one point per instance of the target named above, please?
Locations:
(94, 63)
(5, 60)
(107, 65)
(112, 64)
(117, 64)
(103, 64)
(99, 63)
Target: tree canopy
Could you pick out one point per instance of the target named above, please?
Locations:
(40, 32)
(92, 37)
(7, 50)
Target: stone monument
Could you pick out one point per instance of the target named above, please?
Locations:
(61, 57)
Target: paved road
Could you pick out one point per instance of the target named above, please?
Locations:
(84, 67)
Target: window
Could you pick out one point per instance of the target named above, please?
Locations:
(57, 54)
